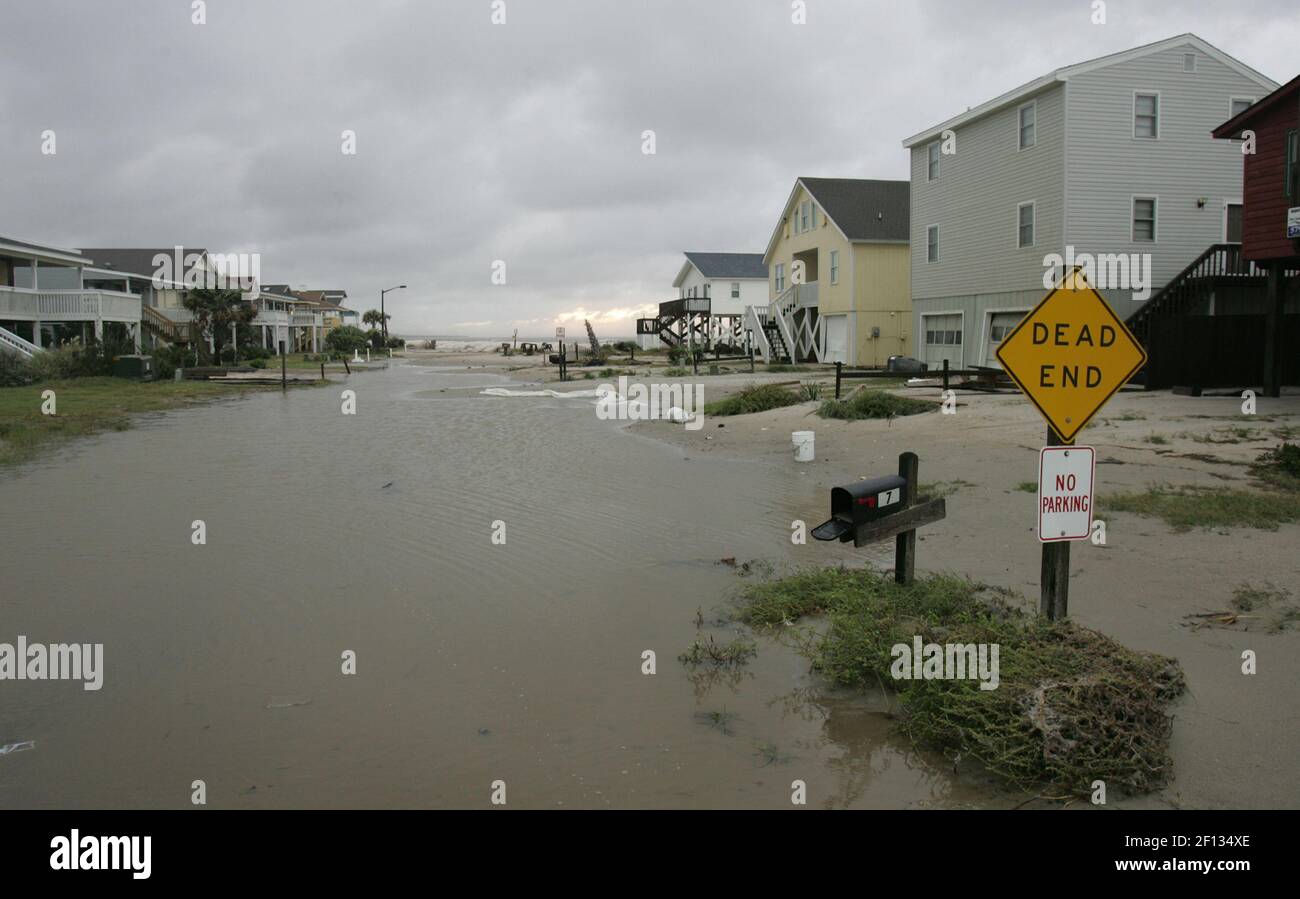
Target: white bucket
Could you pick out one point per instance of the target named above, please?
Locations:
(803, 446)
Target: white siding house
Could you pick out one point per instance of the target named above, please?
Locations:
(1108, 156)
(731, 281)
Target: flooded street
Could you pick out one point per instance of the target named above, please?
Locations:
(475, 662)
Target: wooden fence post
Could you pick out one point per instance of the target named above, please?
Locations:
(838, 367)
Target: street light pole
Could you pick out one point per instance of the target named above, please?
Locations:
(383, 319)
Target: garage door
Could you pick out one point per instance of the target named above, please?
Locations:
(942, 340)
(837, 338)
(1000, 325)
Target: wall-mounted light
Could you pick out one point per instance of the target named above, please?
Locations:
(1201, 201)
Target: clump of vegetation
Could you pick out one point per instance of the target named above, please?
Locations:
(707, 651)
(810, 390)
(758, 398)
(676, 372)
(1279, 467)
(873, 404)
(1185, 508)
(1071, 706)
(346, 339)
(1157, 439)
(1027, 486)
(783, 367)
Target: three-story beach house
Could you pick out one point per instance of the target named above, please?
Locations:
(1110, 159)
(838, 270)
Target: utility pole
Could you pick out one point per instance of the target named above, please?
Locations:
(383, 318)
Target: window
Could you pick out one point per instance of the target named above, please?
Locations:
(1238, 105)
(804, 215)
(1292, 157)
(1025, 224)
(1028, 115)
(1189, 63)
(835, 266)
(706, 290)
(1146, 116)
(780, 277)
(1144, 219)
(932, 243)
(932, 166)
(735, 290)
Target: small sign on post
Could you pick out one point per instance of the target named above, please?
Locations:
(1293, 222)
(1065, 492)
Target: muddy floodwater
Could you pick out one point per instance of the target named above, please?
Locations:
(475, 661)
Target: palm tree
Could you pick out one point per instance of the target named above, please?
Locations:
(375, 318)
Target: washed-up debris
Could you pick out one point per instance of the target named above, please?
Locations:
(17, 747)
(729, 561)
(282, 703)
(386, 486)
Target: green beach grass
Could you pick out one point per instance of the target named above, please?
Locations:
(1072, 706)
(86, 406)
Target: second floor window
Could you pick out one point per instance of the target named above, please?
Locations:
(780, 277)
(1146, 115)
(1025, 214)
(835, 266)
(932, 163)
(1144, 219)
(1028, 116)
(932, 243)
(735, 290)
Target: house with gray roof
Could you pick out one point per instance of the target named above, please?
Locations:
(1110, 160)
(838, 269)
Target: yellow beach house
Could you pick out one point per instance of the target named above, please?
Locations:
(839, 275)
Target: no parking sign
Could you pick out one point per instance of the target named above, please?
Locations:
(1065, 492)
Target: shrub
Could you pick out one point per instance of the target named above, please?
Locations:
(625, 346)
(676, 355)
(166, 359)
(257, 363)
(14, 371)
(346, 339)
(873, 404)
(753, 399)
(810, 390)
(55, 364)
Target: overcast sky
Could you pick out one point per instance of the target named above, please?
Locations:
(520, 142)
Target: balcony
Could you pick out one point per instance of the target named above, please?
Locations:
(23, 304)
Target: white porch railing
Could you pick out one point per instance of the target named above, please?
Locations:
(68, 305)
(794, 311)
(755, 319)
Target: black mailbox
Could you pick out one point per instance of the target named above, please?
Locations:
(861, 503)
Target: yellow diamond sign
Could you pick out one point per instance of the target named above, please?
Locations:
(1070, 355)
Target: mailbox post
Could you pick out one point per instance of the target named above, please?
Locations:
(874, 510)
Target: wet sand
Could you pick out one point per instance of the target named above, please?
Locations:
(1234, 735)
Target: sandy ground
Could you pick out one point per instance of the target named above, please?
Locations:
(1234, 742)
